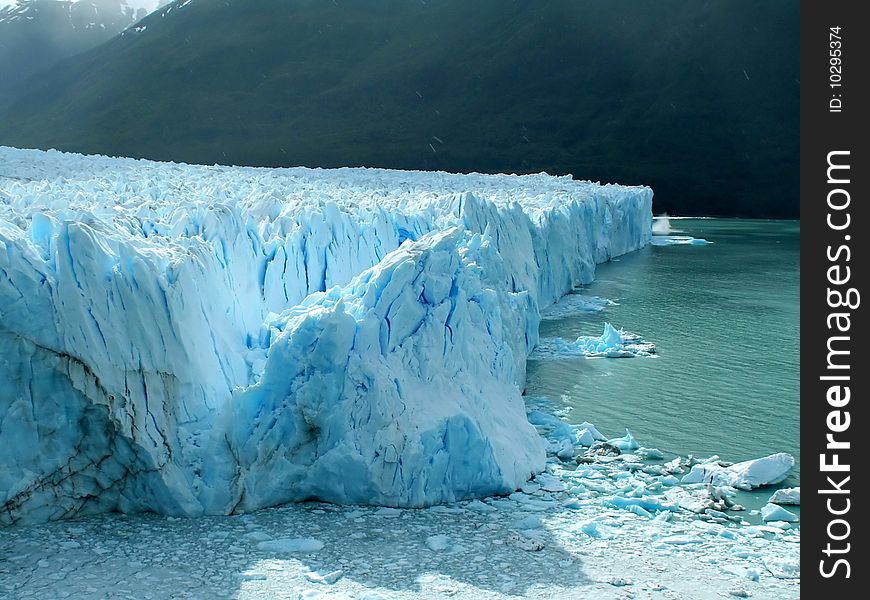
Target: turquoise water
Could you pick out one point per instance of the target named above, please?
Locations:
(725, 320)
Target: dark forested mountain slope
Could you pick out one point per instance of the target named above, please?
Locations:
(697, 99)
(36, 34)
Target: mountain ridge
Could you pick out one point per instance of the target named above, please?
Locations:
(37, 34)
(699, 101)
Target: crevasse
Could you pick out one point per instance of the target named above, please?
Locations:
(205, 340)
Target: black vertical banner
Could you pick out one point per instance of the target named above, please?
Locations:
(835, 353)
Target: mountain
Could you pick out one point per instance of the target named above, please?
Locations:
(36, 34)
(698, 99)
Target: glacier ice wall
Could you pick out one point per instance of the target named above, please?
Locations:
(192, 339)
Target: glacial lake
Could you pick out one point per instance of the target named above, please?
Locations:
(725, 320)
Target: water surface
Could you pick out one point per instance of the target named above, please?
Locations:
(725, 320)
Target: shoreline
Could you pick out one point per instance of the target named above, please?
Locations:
(548, 540)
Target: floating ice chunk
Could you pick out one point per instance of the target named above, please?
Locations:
(760, 530)
(327, 578)
(256, 536)
(526, 543)
(674, 466)
(648, 503)
(593, 530)
(564, 449)
(481, 507)
(530, 522)
(438, 543)
(774, 512)
(744, 552)
(745, 475)
(639, 511)
(613, 343)
(750, 573)
(649, 453)
(572, 503)
(549, 483)
(288, 545)
(573, 304)
(601, 451)
(593, 431)
(783, 568)
(763, 471)
(696, 501)
(677, 240)
(681, 540)
(626, 443)
(552, 427)
(585, 437)
(787, 496)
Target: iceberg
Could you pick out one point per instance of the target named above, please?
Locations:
(625, 444)
(774, 512)
(585, 437)
(196, 340)
(677, 240)
(612, 343)
(650, 504)
(745, 475)
(787, 496)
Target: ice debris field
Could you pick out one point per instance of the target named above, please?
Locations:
(607, 518)
(613, 343)
(192, 340)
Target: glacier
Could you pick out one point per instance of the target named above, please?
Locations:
(194, 340)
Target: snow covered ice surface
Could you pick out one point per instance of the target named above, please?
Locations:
(207, 340)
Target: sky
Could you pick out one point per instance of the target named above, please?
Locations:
(146, 4)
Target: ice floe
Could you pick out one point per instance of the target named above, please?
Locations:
(787, 496)
(774, 512)
(744, 475)
(568, 522)
(677, 240)
(576, 303)
(612, 343)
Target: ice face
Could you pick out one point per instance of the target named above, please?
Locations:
(193, 340)
(353, 371)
